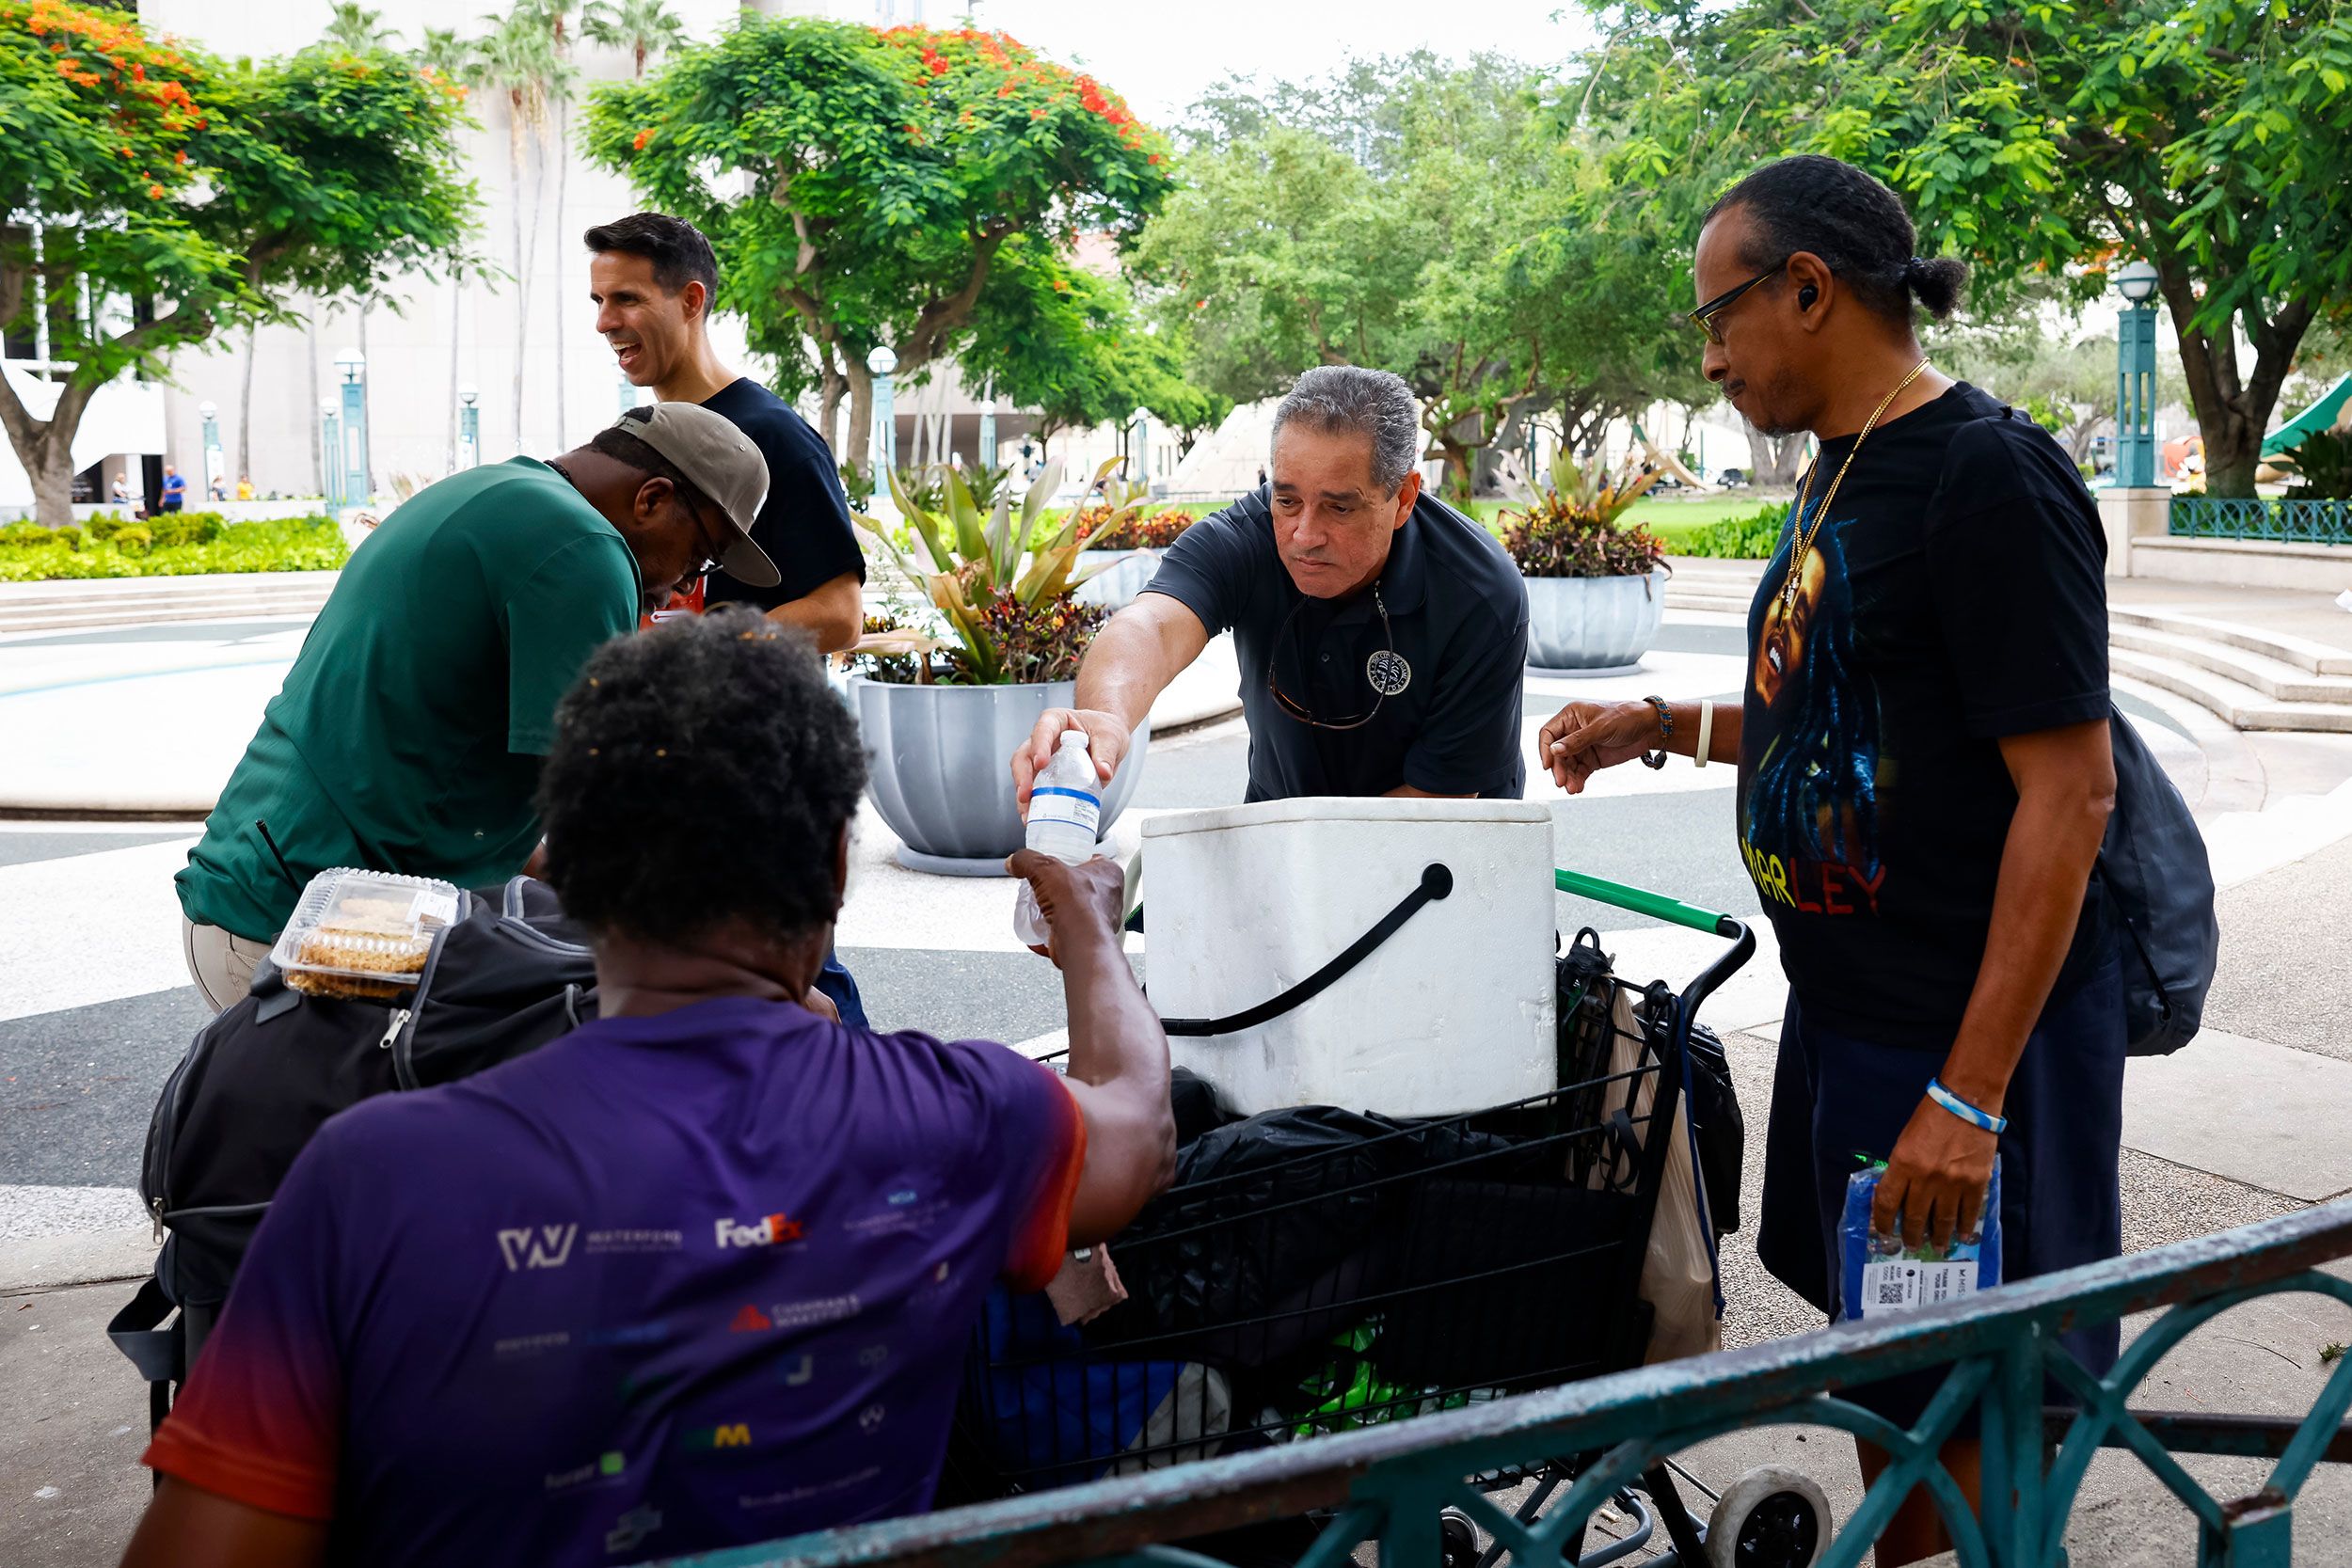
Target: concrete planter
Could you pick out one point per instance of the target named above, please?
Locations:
(1593, 625)
(939, 768)
(1125, 574)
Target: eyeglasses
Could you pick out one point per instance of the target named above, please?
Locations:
(702, 538)
(1298, 710)
(1703, 317)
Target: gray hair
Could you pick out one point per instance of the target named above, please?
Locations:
(1350, 400)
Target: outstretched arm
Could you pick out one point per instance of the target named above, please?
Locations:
(1117, 1051)
(1133, 658)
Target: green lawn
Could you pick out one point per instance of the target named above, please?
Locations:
(1668, 517)
(1664, 517)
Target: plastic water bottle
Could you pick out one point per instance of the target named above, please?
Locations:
(1065, 817)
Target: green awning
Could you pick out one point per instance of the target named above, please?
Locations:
(2322, 415)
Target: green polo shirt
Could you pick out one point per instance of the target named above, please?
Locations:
(409, 735)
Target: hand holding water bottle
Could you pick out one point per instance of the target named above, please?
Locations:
(1074, 902)
(1065, 817)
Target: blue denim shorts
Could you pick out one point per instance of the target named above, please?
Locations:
(1835, 1098)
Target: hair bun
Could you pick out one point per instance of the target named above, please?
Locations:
(1936, 282)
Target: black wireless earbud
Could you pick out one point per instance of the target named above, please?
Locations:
(1806, 295)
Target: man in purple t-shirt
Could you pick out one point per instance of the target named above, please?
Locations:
(701, 1272)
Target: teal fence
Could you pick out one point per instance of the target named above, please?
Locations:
(1390, 1483)
(2274, 519)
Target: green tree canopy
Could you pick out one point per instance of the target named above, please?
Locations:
(860, 187)
(1420, 218)
(1071, 345)
(176, 197)
(2213, 137)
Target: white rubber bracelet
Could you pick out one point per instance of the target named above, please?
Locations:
(1706, 731)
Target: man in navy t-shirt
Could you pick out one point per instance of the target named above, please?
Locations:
(701, 1272)
(653, 278)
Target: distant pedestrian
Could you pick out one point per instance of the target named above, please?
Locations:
(244, 487)
(1924, 773)
(175, 488)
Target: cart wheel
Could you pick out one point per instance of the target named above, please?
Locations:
(1771, 1518)
(1459, 1538)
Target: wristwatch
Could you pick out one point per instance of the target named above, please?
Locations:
(1665, 727)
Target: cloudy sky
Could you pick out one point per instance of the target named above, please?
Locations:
(1162, 55)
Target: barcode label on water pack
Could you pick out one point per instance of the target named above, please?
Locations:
(1899, 1284)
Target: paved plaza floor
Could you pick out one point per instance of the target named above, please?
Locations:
(95, 1008)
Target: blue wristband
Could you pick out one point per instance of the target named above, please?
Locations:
(1966, 1111)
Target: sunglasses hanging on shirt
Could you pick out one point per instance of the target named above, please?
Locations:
(1384, 671)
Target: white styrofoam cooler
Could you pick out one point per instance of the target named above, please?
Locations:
(1452, 1013)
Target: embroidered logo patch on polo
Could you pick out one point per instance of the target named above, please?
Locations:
(1388, 671)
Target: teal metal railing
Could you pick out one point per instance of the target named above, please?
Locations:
(1389, 1484)
(2272, 519)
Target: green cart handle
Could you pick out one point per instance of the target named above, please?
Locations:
(1655, 905)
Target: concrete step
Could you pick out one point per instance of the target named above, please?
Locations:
(2275, 678)
(2241, 705)
(2318, 659)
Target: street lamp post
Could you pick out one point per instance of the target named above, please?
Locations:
(331, 456)
(2135, 377)
(468, 428)
(1141, 449)
(988, 425)
(884, 449)
(354, 366)
(210, 411)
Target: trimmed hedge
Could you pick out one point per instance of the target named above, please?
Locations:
(1754, 537)
(184, 544)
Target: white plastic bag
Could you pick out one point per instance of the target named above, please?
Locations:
(1679, 1272)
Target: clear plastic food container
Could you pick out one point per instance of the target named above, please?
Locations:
(363, 933)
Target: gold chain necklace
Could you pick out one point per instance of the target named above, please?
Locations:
(1804, 545)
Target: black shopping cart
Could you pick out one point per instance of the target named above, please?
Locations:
(1319, 1270)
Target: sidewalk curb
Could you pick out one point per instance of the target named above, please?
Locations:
(92, 1257)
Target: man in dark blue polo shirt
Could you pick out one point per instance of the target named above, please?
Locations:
(1382, 636)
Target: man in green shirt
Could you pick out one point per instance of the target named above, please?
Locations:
(408, 736)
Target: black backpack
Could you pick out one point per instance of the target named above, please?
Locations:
(2153, 868)
(508, 975)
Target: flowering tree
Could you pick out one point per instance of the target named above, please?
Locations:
(859, 187)
(173, 197)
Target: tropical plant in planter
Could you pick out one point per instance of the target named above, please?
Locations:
(1596, 592)
(1002, 585)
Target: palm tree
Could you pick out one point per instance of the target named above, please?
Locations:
(355, 28)
(644, 27)
(517, 58)
(446, 55)
(558, 91)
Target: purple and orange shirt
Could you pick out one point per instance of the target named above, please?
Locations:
(665, 1284)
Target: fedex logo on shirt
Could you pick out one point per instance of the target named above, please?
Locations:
(772, 1231)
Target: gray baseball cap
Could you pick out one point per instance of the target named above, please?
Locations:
(724, 466)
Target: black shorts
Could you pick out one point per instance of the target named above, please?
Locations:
(1835, 1097)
